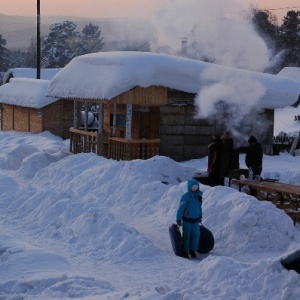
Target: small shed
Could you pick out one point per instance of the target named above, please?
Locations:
(146, 104)
(25, 108)
(46, 74)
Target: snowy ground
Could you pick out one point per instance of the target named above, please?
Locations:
(82, 226)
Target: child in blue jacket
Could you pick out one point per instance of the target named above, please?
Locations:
(189, 214)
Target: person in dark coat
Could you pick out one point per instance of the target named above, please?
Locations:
(214, 160)
(253, 159)
(226, 156)
(254, 155)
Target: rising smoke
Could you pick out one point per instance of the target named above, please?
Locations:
(217, 31)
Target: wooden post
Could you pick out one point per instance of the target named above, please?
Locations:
(75, 114)
(114, 129)
(86, 116)
(100, 128)
(38, 39)
(128, 121)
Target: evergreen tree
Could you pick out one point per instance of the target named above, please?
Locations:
(31, 55)
(266, 26)
(136, 45)
(59, 45)
(4, 55)
(89, 40)
(17, 58)
(289, 38)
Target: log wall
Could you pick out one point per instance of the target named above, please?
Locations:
(183, 137)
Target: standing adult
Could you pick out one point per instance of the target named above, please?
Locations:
(214, 160)
(226, 156)
(190, 212)
(254, 155)
(253, 159)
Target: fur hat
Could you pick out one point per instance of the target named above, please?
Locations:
(252, 139)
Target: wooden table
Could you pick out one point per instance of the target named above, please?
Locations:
(283, 195)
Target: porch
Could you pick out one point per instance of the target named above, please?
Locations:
(82, 141)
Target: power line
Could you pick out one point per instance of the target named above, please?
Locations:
(289, 7)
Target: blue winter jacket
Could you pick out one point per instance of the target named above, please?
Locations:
(190, 205)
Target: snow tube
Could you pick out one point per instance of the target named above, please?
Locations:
(292, 261)
(176, 239)
(206, 243)
(207, 240)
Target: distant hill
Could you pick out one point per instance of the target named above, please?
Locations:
(18, 30)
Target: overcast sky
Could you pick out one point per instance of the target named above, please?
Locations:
(120, 8)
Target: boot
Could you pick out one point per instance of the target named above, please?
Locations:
(193, 254)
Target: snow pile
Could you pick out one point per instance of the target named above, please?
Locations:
(82, 226)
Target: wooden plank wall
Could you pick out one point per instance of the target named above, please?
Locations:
(52, 118)
(67, 117)
(7, 117)
(36, 120)
(21, 119)
(153, 96)
(182, 136)
(56, 118)
(145, 124)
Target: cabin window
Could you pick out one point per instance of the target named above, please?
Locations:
(120, 120)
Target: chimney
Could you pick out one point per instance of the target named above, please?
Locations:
(184, 46)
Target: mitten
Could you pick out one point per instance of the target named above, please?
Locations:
(178, 223)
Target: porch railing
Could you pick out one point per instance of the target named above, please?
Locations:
(121, 149)
(84, 141)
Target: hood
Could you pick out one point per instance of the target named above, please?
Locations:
(192, 182)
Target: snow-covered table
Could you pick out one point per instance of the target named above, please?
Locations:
(283, 195)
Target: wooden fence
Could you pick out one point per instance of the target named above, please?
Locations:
(84, 141)
(121, 149)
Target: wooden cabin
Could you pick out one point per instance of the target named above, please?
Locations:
(25, 108)
(162, 123)
(145, 104)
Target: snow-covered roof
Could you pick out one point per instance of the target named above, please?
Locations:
(290, 72)
(26, 92)
(105, 75)
(46, 74)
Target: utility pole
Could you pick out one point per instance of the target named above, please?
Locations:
(38, 40)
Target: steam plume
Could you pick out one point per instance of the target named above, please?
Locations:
(218, 31)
